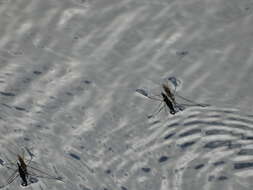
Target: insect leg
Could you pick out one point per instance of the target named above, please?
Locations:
(12, 177)
(193, 102)
(160, 108)
(165, 110)
(42, 174)
(154, 98)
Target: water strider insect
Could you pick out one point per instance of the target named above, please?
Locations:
(27, 173)
(169, 98)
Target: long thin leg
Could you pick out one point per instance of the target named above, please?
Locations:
(153, 98)
(160, 109)
(42, 174)
(165, 110)
(12, 177)
(193, 102)
(29, 161)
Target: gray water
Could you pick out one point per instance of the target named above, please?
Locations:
(69, 70)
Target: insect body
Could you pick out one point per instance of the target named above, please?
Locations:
(168, 103)
(23, 175)
(169, 93)
(168, 98)
(22, 170)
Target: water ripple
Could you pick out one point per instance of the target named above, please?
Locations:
(202, 151)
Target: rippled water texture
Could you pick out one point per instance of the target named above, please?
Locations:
(69, 70)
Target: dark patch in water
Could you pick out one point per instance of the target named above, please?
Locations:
(7, 93)
(247, 137)
(37, 72)
(33, 179)
(26, 139)
(187, 144)
(69, 93)
(123, 188)
(169, 136)
(74, 156)
(211, 178)
(163, 159)
(208, 123)
(7, 106)
(215, 132)
(87, 81)
(191, 132)
(150, 116)
(110, 149)
(182, 53)
(217, 144)
(191, 123)
(26, 80)
(173, 125)
(245, 152)
(244, 165)
(38, 125)
(19, 108)
(232, 146)
(76, 37)
(84, 187)
(155, 122)
(146, 169)
(218, 163)
(1, 162)
(108, 171)
(199, 166)
(222, 178)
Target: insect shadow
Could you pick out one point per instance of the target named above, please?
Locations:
(167, 98)
(25, 169)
